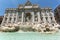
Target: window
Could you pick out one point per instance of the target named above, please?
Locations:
(46, 18)
(43, 11)
(20, 13)
(14, 14)
(35, 16)
(50, 14)
(19, 16)
(36, 19)
(35, 13)
(9, 11)
(14, 11)
(10, 14)
(47, 11)
(41, 14)
(14, 19)
(45, 14)
(51, 18)
(41, 18)
(10, 19)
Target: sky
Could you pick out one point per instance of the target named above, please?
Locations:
(14, 4)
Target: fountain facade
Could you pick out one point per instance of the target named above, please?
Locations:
(28, 13)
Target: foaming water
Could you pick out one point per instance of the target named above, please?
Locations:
(29, 36)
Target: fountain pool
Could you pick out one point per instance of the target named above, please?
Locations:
(29, 36)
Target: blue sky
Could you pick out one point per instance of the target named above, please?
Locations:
(14, 4)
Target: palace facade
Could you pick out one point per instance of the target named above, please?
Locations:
(57, 14)
(30, 13)
(1, 18)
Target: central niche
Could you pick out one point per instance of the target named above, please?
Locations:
(28, 17)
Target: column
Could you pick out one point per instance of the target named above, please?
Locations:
(12, 18)
(8, 17)
(38, 13)
(49, 19)
(53, 17)
(32, 16)
(3, 20)
(16, 17)
(44, 19)
(22, 16)
(43, 16)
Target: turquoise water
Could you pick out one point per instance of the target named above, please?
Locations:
(29, 36)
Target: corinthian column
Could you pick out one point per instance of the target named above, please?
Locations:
(38, 13)
(22, 16)
(44, 19)
(32, 16)
(16, 17)
(3, 20)
(8, 17)
(53, 17)
(49, 19)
